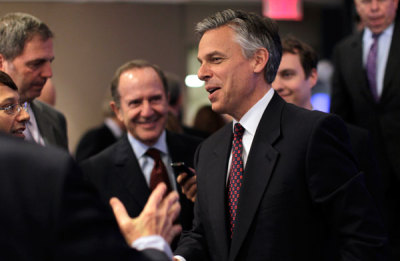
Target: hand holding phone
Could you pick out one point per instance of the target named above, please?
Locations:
(180, 167)
(188, 183)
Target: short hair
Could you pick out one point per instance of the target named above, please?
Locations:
(18, 28)
(6, 80)
(252, 33)
(134, 64)
(308, 57)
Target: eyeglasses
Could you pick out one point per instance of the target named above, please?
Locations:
(15, 108)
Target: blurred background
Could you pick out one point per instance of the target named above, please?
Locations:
(94, 37)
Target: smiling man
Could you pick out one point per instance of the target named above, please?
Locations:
(366, 93)
(13, 114)
(26, 53)
(132, 167)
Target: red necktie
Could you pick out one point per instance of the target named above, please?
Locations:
(235, 174)
(159, 172)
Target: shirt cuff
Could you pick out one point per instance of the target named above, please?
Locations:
(180, 258)
(154, 242)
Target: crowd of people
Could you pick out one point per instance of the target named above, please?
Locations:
(279, 181)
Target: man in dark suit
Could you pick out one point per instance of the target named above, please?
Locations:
(125, 169)
(26, 53)
(366, 93)
(296, 76)
(290, 179)
(101, 137)
(50, 213)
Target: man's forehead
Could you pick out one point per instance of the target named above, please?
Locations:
(38, 48)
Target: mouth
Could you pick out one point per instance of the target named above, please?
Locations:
(148, 123)
(211, 90)
(18, 132)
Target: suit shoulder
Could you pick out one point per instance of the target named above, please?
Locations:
(47, 109)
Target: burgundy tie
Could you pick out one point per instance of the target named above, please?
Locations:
(235, 174)
(371, 66)
(159, 172)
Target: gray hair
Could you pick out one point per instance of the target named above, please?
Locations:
(252, 33)
(18, 28)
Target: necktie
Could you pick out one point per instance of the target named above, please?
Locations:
(159, 172)
(235, 174)
(371, 66)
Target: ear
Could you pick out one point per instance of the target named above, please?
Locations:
(313, 77)
(260, 59)
(2, 62)
(116, 111)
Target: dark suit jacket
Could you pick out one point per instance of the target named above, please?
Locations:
(94, 141)
(115, 172)
(300, 184)
(352, 100)
(49, 213)
(361, 144)
(51, 123)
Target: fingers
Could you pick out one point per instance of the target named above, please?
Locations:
(189, 186)
(155, 197)
(181, 178)
(173, 232)
(174, 210)
(120, 213)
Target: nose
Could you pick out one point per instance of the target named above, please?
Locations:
(47, 71)
(374, 4)
(204, 72)
(147, 110)
(277, 84)
(23, 116)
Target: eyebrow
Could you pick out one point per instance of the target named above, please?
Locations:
(9, 99)
(40, 60)
(209, 55)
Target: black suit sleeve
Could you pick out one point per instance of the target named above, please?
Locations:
(342, 196)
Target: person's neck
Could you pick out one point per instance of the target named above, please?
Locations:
(258, 93)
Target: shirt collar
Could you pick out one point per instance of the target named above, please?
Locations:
(252, 117)
(114, 128)
(388, 32)
(140, 148)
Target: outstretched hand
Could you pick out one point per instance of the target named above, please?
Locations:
(156, 218)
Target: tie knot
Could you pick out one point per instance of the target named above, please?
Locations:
(154, 153)
(238, 130)
(375, 36)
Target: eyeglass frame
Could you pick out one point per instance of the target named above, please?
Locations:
(15, 108)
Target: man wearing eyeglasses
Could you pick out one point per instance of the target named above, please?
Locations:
(13, 114)
(26, 54)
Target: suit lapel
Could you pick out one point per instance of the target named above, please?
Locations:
(355, 61)
(130, 173)
(44, 124)
(258, 171)
(392, 64)
(216, 189)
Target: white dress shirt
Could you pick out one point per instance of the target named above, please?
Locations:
(146, 163)
(384, 42)
(32, 130)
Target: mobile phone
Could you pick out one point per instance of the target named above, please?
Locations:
(180, 167)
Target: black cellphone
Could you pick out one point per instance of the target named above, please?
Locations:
(180, 167)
